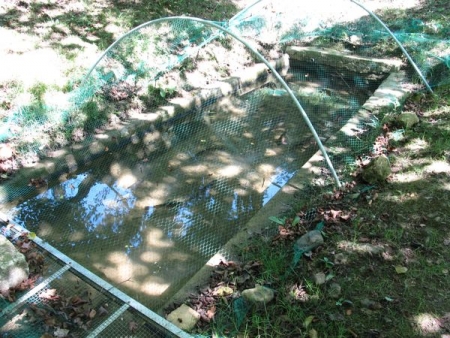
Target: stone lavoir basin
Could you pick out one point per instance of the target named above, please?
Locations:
(148, 212)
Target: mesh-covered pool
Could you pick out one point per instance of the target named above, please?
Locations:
(182, 132)
(148, 220)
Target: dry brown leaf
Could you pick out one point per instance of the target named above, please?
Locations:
(133, 326)
(49, 294)
(102, 311)
(26, 245)
(50, 321)
(211, 312)
(61, 333)
(335, 213)
(46, 335)
(76, 300)
(345, 217)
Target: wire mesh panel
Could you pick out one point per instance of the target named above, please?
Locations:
(62, 299)
(350, 26)
(184, 133)
(65, 303)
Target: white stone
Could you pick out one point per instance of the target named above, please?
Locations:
(259, 295)
(13, 266)
(5, 152)
(184, 317)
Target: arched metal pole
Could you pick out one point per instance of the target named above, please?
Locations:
(372, 14)
(272, 69)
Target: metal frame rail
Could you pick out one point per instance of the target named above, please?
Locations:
(69, 264)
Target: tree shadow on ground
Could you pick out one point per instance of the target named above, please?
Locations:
(72, 25)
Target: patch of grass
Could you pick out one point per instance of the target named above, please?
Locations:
(38, 91)
(390, 259)
(94, 115)
(157, 96)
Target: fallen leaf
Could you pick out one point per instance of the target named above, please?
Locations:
(335, 213)
(308, 321)
(37, 182)
(76, 300)
(92, 313)
(329, 276)
(222, 291)
(102, 311)
(133, 326)
(401, 269)
(313, 334)
(354, 196)
(61, 333)
(26, 245)
(296, 220)
(50, 321)
(277, 220)
(345, 217)
(211, 312)
(49, 294)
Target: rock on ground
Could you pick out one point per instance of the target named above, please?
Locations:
(13, 266)
(259, 295)
(377, 171)
(309, 241)
(407, 119)
(184, 317)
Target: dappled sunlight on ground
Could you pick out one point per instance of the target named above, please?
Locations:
(147, 223)
(438, 167)
(29, 66)
(427, 324)
(417, 145)
(360, 247)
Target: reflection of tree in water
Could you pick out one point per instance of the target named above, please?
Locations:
(207, 221)
(79, 204)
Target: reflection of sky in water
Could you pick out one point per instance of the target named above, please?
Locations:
(104, 204)
(233, 214)
(64, 191)
(279, 179)
(184, 219)
(103, 210)
(31, 210)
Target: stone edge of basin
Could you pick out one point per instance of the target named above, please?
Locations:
(69, 159)
(340, 60)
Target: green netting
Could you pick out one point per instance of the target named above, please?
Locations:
(354, 27)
